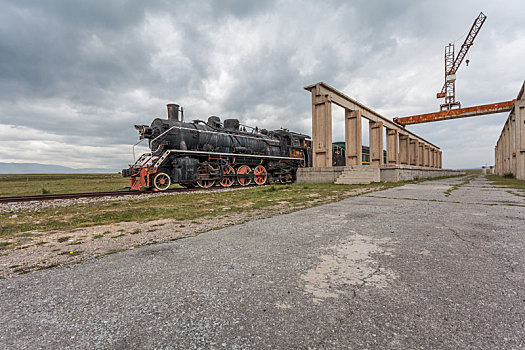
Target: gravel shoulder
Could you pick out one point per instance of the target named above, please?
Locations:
(40, 250)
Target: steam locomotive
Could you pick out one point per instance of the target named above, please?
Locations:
(212, 153)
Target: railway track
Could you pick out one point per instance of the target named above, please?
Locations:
(47, 197)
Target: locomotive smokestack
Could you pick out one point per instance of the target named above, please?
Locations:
(173, 112)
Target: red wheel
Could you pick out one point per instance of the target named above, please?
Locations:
(260, 175)
(205, 176)
(228, 176)
(161, 181)
(243, 173)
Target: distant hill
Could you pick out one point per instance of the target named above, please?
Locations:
(35, 168)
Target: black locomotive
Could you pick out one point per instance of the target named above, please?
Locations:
(214, 152)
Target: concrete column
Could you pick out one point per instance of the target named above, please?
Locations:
(392, 147)
(502, 151)
(497, 158)
(491, 169)
(431, 157)
(499, 169)
(376, 143)
(519, 110)
(507, 148)
(440, 159)
(512, 144)
(420, 161)
(501, 155)
(353, 138)
(404, 149)
(426, 151)
(414, 151)
(484, 170)
(321, 130)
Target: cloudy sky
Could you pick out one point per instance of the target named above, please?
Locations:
(75, 76)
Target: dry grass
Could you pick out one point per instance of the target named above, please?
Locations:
(184, 206)
(26, 185)
(472, 171)
(506, 182)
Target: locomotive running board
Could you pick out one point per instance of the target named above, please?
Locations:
(231, 154)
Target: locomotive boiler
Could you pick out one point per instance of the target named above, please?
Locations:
(207, 153)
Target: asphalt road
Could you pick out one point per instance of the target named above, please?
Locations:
(405, 268)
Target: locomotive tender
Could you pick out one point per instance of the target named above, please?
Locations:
(214, 152)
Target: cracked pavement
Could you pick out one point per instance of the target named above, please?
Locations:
(405, 268)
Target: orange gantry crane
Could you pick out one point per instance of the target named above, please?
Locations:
(451, 109)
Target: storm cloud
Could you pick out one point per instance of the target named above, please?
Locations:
(76, 76)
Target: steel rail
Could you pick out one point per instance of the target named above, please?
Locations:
(46, 197)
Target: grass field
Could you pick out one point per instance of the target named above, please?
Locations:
(472, 171)
(26, 185)
(182, 206)
(507, 182)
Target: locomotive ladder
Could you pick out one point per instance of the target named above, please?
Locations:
(161, 159)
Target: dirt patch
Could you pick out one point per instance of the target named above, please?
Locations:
(350, 262)
(34, 250)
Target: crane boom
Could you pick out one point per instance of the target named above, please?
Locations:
(452, 64)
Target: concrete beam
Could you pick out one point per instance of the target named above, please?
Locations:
(342, 100)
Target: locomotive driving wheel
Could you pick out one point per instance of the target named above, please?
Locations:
(260, 175)
(228, 176)
(161, 181)
(205, 179)
(243, 175)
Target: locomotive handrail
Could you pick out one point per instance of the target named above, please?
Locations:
(151, 141)
(173, 127)
(262, 137)
(133, 148)
(232, 154)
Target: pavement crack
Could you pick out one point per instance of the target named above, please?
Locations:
(354, 295)
(496, 257)
(444, 201)
(456, 233)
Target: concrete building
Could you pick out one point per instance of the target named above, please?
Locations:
(407, 154)
(510, 148)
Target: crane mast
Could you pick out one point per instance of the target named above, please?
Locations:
(453, 62)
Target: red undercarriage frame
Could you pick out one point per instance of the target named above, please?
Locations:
(144, 166)
(141, 181)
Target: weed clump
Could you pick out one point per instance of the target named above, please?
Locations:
(270, 189)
